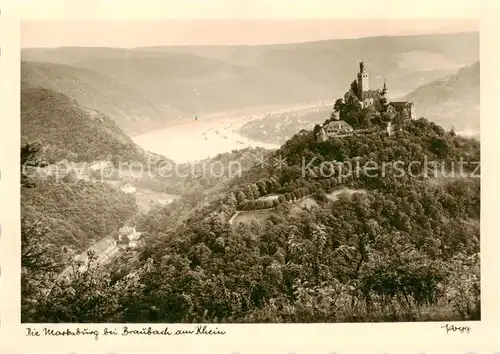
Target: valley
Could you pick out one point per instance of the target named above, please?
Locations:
(103, 250)
(126, 178)
(143, 89)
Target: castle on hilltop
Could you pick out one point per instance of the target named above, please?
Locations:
(360, 91)
(360, 95)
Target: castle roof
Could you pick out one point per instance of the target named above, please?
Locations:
(399, 105)
(375, 94)
(337, 125)
(354, 86)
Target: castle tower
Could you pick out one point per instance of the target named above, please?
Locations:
(363, 83)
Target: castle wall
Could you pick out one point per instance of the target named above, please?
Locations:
(360, 89)
(412, 112)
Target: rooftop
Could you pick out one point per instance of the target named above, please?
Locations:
(400, 104)
(371, 94)
(337, 125)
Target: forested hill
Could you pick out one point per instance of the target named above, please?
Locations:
(417, 140)
(67, 130)
(384, 253)
(399, 247)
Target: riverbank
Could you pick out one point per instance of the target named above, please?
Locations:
(206, 137)
(230, 114)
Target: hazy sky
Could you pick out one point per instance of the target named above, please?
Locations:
(224, 32)
(116, 23)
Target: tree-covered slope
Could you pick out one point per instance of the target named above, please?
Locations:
(69, 131)
(404, 246)
(78, 212)
(401, 247)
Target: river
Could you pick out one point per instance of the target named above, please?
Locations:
(206, 137)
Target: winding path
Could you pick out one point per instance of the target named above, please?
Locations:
(332, 196)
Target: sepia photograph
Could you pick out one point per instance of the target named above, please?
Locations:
(250, 171)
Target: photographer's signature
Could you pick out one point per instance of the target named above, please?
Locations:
(452, 328)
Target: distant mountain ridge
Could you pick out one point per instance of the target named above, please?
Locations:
(198, 80)
(453, 101)
(125, 105)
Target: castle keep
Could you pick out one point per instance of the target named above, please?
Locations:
(360, 91)
(361, 94)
